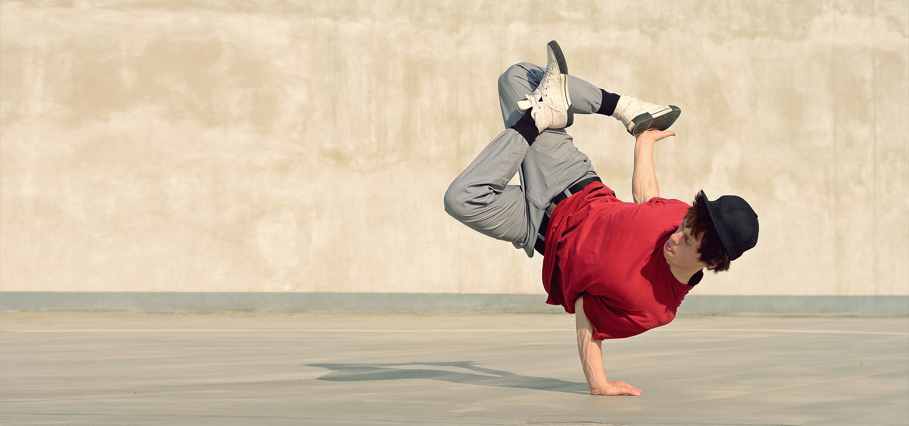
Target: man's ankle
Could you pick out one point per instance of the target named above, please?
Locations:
(527, 127)
(609, 102)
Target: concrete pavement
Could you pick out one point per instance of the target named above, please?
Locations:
(239, 368)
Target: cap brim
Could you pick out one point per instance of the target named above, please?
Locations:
(716, 227)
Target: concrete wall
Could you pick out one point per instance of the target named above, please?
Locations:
(266, 146)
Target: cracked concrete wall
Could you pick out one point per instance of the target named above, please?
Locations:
(271, 146)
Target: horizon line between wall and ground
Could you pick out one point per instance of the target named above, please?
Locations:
(167, 302)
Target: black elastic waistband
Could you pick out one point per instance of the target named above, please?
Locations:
(540, 245)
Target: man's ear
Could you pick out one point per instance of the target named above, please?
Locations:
(711, 266)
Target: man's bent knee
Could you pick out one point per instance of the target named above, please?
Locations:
(455, 204)
(515, 72)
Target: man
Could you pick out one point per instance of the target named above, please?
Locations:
(622, 268)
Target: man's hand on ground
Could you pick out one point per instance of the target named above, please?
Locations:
(591, 354)
(617, 387)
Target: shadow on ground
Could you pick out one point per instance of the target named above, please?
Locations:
(441, 371)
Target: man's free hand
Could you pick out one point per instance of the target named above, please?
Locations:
(654, 135)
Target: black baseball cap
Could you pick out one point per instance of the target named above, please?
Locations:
(735, 221)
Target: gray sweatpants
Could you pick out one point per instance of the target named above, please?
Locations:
(481, 197)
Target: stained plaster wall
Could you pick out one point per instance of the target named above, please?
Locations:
(266, 146)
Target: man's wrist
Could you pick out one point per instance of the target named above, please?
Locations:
(644, 141)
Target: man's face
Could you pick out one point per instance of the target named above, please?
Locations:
(682, 249)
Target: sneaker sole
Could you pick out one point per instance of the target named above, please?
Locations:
(661, 121)
(563, 70)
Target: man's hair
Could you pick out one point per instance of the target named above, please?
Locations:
(712, 250)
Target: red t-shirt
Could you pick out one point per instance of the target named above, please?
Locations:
(612, 253)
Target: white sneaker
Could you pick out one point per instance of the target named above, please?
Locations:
(549, 102)
(639, 117)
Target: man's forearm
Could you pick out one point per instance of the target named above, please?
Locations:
(643, 180)
(590, 350)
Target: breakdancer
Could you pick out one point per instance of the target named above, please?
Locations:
(622, 268)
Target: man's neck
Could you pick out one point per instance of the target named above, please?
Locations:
(683, 274)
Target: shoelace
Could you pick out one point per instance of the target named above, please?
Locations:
(534, 100)
(548, 81)
(542, 91)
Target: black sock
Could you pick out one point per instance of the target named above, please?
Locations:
(610, 100)
(527, 128)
